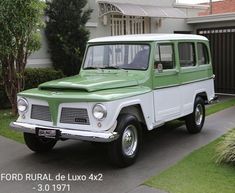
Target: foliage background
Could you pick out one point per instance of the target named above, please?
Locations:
(20, 24)
(33, 77)
(67, 34)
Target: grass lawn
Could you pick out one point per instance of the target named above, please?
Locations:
(220, 106)
(197, 173)
(6, 118)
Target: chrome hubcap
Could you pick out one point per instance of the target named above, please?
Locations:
(129, 140)
(198, 114)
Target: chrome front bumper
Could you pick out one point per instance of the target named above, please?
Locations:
(68, 133)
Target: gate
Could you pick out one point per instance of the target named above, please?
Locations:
(222, 42)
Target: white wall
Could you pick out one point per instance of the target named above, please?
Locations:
(40, 58)
(169, 25)
(100, 29)
(96, 27)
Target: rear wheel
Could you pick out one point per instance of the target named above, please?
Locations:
(195, 121)
(124, 151)
(38, 144)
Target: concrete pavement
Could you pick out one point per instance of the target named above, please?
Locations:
(162, 148)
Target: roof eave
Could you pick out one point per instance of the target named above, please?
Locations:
(212, 18)
(190, 6)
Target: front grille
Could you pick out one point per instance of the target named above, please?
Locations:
(74, 116)
(40, 112)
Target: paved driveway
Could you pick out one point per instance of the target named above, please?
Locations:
(162, 148)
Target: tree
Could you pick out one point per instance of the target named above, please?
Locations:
(67, 34)
(20, 21)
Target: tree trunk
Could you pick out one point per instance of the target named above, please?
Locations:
(14, 109)
(12, 80)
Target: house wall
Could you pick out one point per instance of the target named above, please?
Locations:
(169, 25)
(96, 27)
(95, 24)
(40, 58)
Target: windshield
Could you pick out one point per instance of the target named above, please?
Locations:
(117, 56)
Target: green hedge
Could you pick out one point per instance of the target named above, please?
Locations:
(36, 76)
(33, 77)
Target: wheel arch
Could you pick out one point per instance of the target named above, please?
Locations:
(141, 106)
(203, 95)
(136, 110)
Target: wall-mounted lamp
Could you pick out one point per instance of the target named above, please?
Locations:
(158, 23)
(105, 19)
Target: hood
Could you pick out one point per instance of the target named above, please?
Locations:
(91, 82)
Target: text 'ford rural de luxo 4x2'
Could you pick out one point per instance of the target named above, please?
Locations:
(127, 84)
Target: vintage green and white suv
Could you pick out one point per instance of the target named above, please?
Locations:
(127, 84)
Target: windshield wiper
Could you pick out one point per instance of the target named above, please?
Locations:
(111, 67)
(91, 68)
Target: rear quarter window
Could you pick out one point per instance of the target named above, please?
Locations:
(203, 55)
(186, 54)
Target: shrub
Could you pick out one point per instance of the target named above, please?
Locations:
(67, 34)
(33, 77)
(36, 76)
(226, 149)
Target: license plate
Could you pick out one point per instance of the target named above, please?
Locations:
(47, 133)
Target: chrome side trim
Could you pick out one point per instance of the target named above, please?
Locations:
(68, 133)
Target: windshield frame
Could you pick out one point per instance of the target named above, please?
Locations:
(118, 43)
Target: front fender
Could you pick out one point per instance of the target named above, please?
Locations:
(145, 101)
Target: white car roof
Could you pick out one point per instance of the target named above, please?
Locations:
(147, 37)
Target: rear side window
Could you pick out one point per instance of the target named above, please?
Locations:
(187, 54)
(165, 56)
(203, 55)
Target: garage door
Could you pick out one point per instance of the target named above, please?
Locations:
(222, 41)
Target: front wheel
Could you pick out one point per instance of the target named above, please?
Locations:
(124, 151)
(195, 121)
(38, 144)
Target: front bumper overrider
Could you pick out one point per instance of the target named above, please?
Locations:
(67, 133)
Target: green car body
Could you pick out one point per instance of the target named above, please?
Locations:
(151, 94)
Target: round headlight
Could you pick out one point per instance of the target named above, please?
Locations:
(22, 105)
(99, 112)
